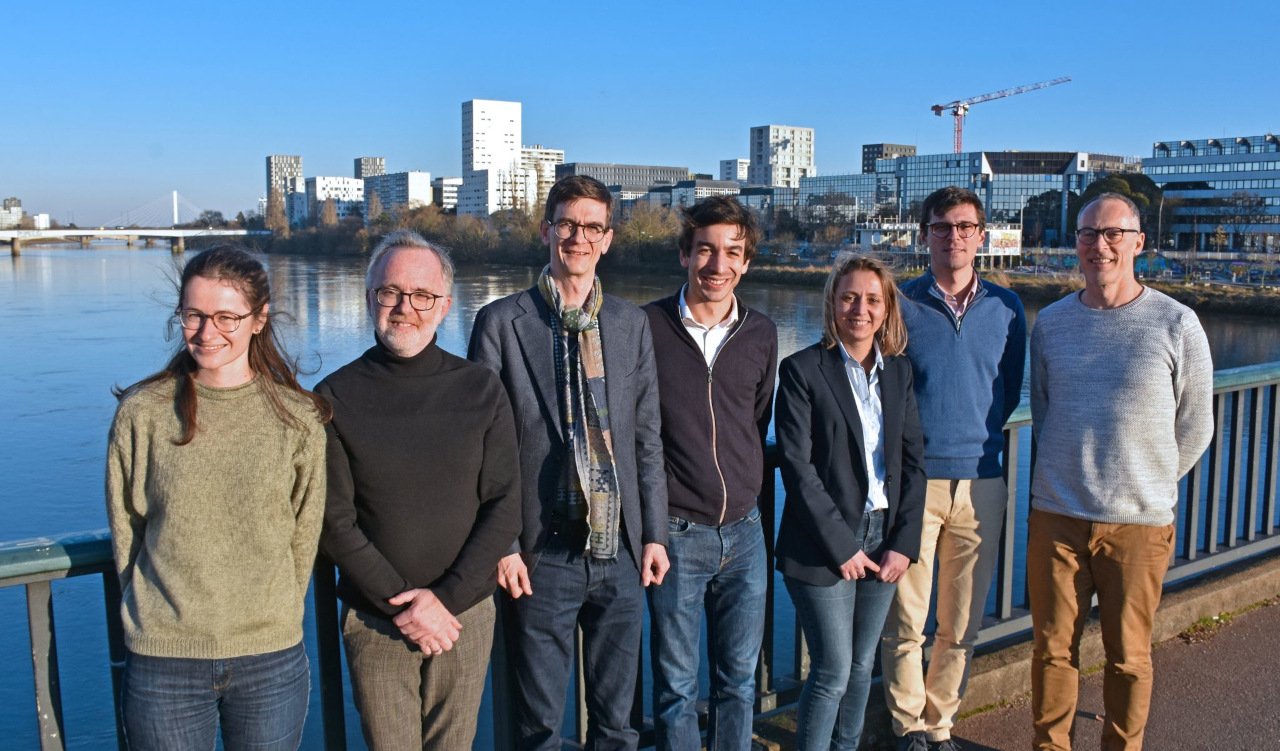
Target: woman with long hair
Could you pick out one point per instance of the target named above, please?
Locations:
(853, 468)
(215, 489)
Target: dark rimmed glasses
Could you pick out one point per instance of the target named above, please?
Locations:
(192, 319)
(592, 233)
(964, 229)
(1113, 235)
(389, 297)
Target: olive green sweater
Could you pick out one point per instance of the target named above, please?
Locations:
(214, 541)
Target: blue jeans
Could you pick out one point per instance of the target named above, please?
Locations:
(722, 570)
(605, 598)
(176, 703)
(842, 625)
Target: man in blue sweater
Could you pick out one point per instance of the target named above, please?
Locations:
(967, 340)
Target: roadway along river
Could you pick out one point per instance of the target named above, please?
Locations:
(75, 322)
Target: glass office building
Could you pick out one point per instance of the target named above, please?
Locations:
(1221, 193)
(1004, 180)
(845, 198)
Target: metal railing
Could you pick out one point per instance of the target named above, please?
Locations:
(1226, 513)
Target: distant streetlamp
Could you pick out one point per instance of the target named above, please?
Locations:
(1160, 223)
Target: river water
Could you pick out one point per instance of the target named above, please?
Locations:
(74, 322)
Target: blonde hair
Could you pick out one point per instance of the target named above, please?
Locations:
(892, 336)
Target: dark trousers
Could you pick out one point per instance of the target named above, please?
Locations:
(606, 599)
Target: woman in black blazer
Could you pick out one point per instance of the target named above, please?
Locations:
(853, 467)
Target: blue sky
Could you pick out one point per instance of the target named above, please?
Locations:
(107, 106)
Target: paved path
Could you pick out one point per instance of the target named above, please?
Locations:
(1222, 694)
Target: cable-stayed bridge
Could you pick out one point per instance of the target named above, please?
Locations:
(168, 210)
(157, 219)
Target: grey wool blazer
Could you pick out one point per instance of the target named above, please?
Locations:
(513, 337)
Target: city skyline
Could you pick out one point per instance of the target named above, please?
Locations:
(133, 102)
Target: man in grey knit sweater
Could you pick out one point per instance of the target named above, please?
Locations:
(1121, 398)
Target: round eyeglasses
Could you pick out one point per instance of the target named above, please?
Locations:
(192, 319)
(389, 297)
(592, 233)
(943, 229)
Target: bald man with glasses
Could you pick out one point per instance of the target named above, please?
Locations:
(1122, 408)
(967, 340)
(423, 501)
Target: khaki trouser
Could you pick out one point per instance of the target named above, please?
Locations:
(411, 701)
(1068, 560)
(962, 522)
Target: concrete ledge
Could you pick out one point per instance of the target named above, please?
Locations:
(1005, 674)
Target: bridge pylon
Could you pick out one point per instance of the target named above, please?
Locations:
(15, 247)
(177, 245)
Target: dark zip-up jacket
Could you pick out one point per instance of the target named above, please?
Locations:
(714, 419)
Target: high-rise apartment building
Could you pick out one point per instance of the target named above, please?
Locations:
(347, 194)
(444, 192)
(369, 166)
(688, 192)
(624, 174)
(1227, 191)
(13, 203)
(409, 189)
(280, 169)
(873, 151)
(780, 155)
(734, 169)
(11, 218)
(295, 201)
(492, 178)
(539, 165)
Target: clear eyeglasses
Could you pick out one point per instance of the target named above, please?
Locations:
(192, 319)
(1113, 235)
(592, 233)
(943, 229)
(389, 297)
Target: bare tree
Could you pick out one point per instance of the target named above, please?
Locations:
(276, 221)
(375, 208)
(329, 213)
(1241, 211)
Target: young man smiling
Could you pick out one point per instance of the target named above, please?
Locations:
(716, 364)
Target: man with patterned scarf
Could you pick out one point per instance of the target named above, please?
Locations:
(579, 368)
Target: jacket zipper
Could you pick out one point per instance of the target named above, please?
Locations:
(957, 321)
(711, 407)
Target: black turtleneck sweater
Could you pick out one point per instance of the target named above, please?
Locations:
(424, 479)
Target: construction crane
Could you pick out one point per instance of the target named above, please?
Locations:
(960, 107)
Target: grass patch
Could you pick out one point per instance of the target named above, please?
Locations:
(1002, 704)
(1204, 629)
(1207, 627)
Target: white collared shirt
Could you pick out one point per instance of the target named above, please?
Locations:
(866, 394)
(708, 338)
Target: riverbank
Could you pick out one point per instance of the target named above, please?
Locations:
(1201, 297)
(517, 244)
